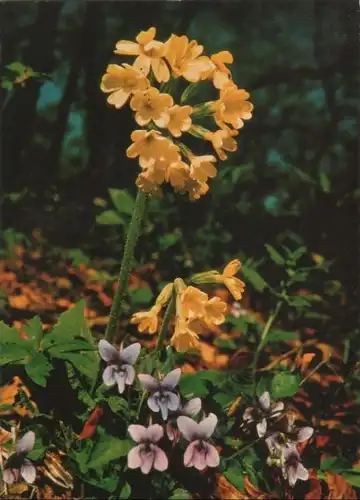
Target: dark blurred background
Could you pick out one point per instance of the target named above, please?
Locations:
(295, 174)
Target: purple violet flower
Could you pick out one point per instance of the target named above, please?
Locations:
(200, 453)
(120, 368)
(292, 468)
(262, 412)
(162, 397)
(291, 434)
(17, 465)
(147, 454)
(189, 409)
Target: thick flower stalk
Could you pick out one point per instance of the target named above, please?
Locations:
(160, 146)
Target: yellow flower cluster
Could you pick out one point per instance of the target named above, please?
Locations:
(163, 158)
(195, 312)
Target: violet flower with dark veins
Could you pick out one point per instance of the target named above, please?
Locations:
(289, 436)
(189, 409)
(292, 468)
(162, 397)
(17, 465)
(147, 454)
(200, 453)
(265, 410)
(120, 368)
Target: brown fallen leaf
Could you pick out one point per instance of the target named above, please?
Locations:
(339, 488)
(227, 491)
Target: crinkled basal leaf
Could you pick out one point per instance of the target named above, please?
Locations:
(284, 384)
(122, 200)
(109, 448)
(15, 353)
(39, 368)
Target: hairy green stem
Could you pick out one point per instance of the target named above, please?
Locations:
(167, 316)
(262, 342)
(131, 240)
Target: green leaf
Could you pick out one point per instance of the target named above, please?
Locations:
(298, 253)
(78, 387)
(122, 200)
(34, 331)
(14, 353)
(284, 384)
(335, 464)
(325, 182)
(17, 67)
(7, 84)
(125, 491)
(180, 494)
(84, 363)
(168, 240)
(117, 404)
(281, 336)
(109, 448)
(254, 277)
(141, 296)
(78, 257)
(8, 335)
(109, 217)
(304, 176)
(352, 477)
(274, 255)
(235, 475)
(76, 346)
(192, 386)
(39, 368)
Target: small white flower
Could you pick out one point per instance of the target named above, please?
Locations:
(292, 468)
(17, 465)
(264, 411)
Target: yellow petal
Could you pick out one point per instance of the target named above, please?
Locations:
(232, 268)
(160, 69)
(145, 37)
(142, 63)
(118, 98)
(127, 48)
(235, 286)
(224, 56)
(220, 79)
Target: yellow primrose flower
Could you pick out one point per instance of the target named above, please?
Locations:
(183, 57)
(233, 106)
(121, 82)
(214, 312)
(150, 180)
(164, 295)
(150, 54)
(185, 337)
(150, 105)
(148, 146)
(178, 120)
(177, 173)
(192, 303)
(221, 74)
(202, 167)
(222, 140)
(196, 189)
(235, 286)
(148, 321)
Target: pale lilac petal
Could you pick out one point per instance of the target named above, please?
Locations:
(188, 427)
(212, 456)
(304, 434)
(130, 354)
(154, 433)
(172, 379)
(289, 451)
(292, 477)
(163, 408)
(26, 443)
(137, 432)
(9, 475)
(108, 352)
(148, 382)
(129, 374)
(199, 459)
(302, 473)
(28, 471)
(161, 461)
(277, 407)
(134, 457)
(147, 461)
(189, 453)
(207, 426)
(120, 380)
(272, 442)
(247, 415)
(153, 402)
(192, 407)
(264, 401)
(171, 432)
(109, 375)
(261, 428)
(173, 400)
